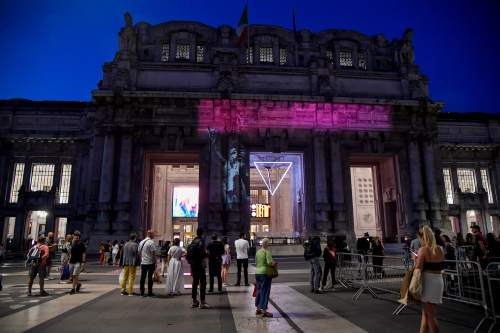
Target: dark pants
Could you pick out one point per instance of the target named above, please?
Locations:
(147, 270)
(199, 278)
(243, 262)
(215, 272)
(331, 269)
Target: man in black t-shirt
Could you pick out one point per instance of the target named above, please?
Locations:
(215, 250)
(76, 259)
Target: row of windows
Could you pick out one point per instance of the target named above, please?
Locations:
(346, 59)
(41, 179)
(466, 182)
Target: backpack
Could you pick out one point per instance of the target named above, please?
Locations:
(307, 251)
(193, 252)
(332, 256)
(34, 256)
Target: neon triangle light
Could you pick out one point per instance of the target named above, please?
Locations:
(266, 177)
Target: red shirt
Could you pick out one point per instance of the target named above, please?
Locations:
(45, 250)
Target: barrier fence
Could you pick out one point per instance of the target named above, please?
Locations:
(464, 281)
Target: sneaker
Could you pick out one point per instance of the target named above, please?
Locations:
(203, 306)
(46, 279)
(237, 285)
(195, 304)
(28, 293)
(317, 291)
(72, 292)
(210, 292)
(142, 295)
(247, 285)
(78, 287)
(84, 271)
(151, 295)
(124, 294)
(44, 293)
(219, 292)
(51, 278)
(133, 294)
(320, 289)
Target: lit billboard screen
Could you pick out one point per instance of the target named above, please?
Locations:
(185, 202)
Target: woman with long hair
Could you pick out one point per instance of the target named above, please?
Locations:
(430, 261)
(164, 256)
(66, 250)
(449, 251)
(175, 276)
(493, 245)
(226, 261)
(378, 256)
(262, 259)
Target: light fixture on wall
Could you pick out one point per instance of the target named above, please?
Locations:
(266, 167)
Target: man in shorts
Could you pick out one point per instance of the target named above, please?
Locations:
(40, 269)
(76, 259)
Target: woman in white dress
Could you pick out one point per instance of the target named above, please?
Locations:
(175, 275)
(114, 252)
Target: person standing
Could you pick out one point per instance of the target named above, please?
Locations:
(175, 277)
(430, 260)
(378, 250)
(242, 248)
(164, 256)
(107, 252)
(479, 246)
(147, 253)
(130, 261)
(262, 259)
(363, 245)
(330, 258)
(40, 269)
(314, 254)
(49, 242)
(198, 265)
(115, 250)
(101, 252)
(66, 251)
(76, 261)
(215, 252)
(226, 261)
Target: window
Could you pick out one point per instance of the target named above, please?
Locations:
(448, 185)
(200, 49)
(345, 59)
(266, 54)
(249, 55)
(65, 183)
(361, 60)
(254, 196)
(486, 184)
(466, 180)
(329, 55)
(165, 52)
(182, 52)
(17, 181)
(264, 196)
(282, 56)
(42, 176)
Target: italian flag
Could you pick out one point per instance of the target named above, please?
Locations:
(241, 30)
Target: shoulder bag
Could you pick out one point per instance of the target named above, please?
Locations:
(416, 284)
(272, 271)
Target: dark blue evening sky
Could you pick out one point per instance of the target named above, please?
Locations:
(54, 50)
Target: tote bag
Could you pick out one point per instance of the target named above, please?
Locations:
(405, 297)
(272, 271)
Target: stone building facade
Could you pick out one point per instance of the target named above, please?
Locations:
(341, 121)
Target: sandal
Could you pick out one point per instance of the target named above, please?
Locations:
(62, 282)
(258, 312)
(267, 314)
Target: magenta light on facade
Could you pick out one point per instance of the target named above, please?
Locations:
(268, 166)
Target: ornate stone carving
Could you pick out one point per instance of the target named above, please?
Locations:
(127, 39)
(225, 84)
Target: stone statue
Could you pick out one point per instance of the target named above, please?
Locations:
(127, 37)
(406, 51)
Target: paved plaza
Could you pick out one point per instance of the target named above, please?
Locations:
(99, 307)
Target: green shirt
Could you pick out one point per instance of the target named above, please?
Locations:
(260, 261)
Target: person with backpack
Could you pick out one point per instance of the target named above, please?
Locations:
(196, 254)
(37, 256)
(330, 258)
(312, 252)
(215, 252)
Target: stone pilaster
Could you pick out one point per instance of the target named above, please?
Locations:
(339, 211)
(122, 205)
(430, 177)
(321, 189)
(215, 208)
(106, 185)
(417, 191)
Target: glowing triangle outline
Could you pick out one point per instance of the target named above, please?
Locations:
(269, 187)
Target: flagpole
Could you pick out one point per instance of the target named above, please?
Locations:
(248, 43)
(295, 36)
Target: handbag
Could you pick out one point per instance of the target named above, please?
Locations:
(416, 284)
(405, 296)
(155, 277)
(272, 271)
(254, 290)
(65, 272)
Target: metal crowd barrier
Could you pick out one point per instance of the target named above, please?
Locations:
(492, 272)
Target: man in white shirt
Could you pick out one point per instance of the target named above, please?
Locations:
(242, 248)
(147, 253)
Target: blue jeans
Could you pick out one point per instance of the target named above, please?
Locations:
(315, 273)
(263, 290)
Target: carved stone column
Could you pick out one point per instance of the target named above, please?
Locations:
(417, 191)
(215, 208)
(430, 177)
(321, 189)
(339, 220)
(106, 186)
(122, 205)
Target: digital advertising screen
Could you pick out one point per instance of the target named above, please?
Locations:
(185, 201)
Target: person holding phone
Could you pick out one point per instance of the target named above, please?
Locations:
(430, 260)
